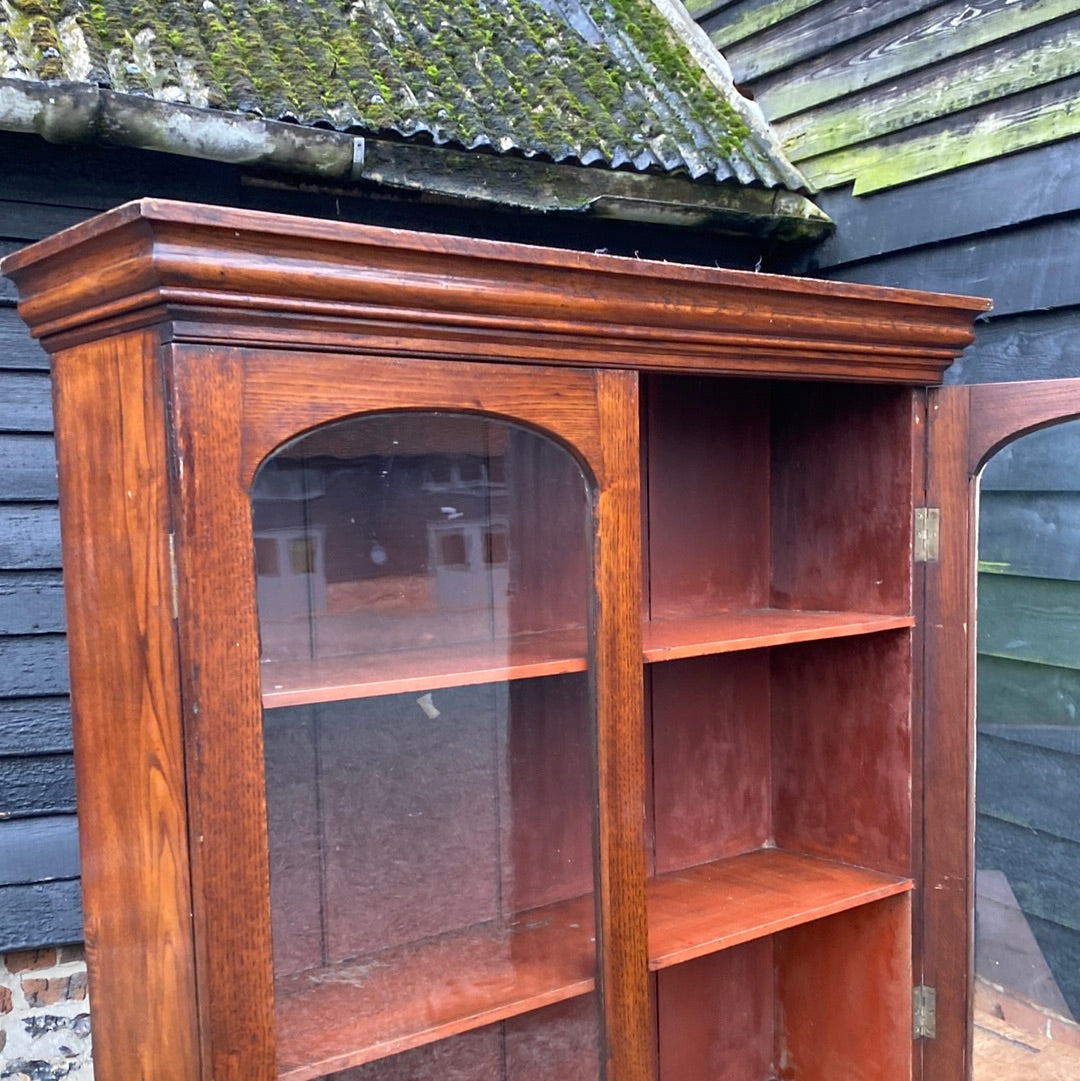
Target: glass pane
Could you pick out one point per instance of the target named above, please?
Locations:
(1027, 952)
(423, 589)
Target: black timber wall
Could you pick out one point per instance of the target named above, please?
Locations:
(43, 189)
(881, 94)
(953, 124)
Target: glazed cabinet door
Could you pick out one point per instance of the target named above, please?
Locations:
(411, 688)
(965, 426)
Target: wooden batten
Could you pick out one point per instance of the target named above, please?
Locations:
(230, 275)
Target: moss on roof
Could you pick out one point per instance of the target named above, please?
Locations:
(620, 83)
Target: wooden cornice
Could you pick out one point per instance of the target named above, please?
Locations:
(213, 275)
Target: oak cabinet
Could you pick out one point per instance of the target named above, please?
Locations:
(487, 661)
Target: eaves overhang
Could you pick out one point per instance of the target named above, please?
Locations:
(79, 113)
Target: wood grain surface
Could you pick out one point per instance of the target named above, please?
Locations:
(403, 292)
(129, 752)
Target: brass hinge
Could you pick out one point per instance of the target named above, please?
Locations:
(173, 588)
(924, 1012)
(927, 534)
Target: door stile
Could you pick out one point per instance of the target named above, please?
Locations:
(620, 735)
(946, 880)
(919, 481)
(219, 655)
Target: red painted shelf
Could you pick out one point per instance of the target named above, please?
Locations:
(729, 632)
(366, 675)
(334, 1018)
(718, 905)
(330, 679)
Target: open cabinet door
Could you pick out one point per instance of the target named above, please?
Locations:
(965, 426)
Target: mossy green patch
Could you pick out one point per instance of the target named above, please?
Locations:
(751, 18)
(1014, 125)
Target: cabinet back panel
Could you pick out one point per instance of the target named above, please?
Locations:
(844, 995)
(549, 530)
(547, 824)
(420, 529)
(711, 771)
(410, 824)
(825, 1000)
(707, 494)
(387, 825)
(841, 497)
(461, 1058)
(557, 1043)
(715, 1016)
(842, 749)
(294, 838)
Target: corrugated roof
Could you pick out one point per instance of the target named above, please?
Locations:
(621, 83)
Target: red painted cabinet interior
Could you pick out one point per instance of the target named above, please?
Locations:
(508, 670)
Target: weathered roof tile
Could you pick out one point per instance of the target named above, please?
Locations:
(622, 83)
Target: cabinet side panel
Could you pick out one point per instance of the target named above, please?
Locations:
(707, 484)
(126, 710)
(844, 996)
(841, 498)
(548, 512)
(841, 743)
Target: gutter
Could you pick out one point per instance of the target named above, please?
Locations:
(73, 113)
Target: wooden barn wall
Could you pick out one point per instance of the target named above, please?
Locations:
(879, 94)
(45, 188)
(944, 140)
(997, 216)
(39, 865)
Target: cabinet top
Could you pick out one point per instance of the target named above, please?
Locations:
(223, 276)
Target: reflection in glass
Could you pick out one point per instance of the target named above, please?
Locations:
(1028, 757)
(423, 585)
